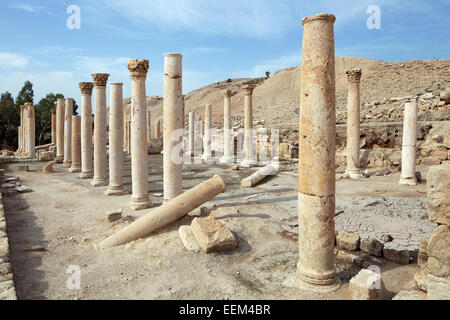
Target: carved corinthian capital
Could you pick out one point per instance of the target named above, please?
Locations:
(354, 75)
(100, 79)
(138, 68)
(86, 87)
(248, 89)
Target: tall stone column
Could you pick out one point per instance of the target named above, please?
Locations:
(173, 126)
(68, 111)
(353, 128)
(207, 157)
(100, 170)
(125, 132)
(20, 132)
(54, 125)
(30, 130)
(87, 171)
(24, 130)
(191, 146)
(19, 137)
(316, 173)
(409, 141)
(129, 133)
(76, 145)
(60, 106)
(116, 113)
(228, 147)
(149, 127)
(249, 145)
(158, 129)
(139, 149)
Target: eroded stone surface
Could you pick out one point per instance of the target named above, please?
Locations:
(366, 285)
(188, 239)
(348, 240)
(438, 186)
(212, 235)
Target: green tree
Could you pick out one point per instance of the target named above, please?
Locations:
(26, 94)
(9, 118)
(44, 117)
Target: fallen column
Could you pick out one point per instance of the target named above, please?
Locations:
(76, 145)
(167, 213)
(316, 173)
(409, 141)
(68, 133)
(207, 156)
(30, 130)
(100, 173)
(353, 126)
(228, 147)
(249, 147)
(59, 130)
(87, 169)
(139, 151)
(173, 126)
(251, 181)
(115, 187)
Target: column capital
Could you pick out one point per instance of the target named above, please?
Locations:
(227, 93)
(86, 87)
(353, 75)
(28, 104)
(321, 16)
(100, 79)
(138, 68)
(248, 89)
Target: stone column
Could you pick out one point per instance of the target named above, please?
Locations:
(207, 157)
(76, 144)
(68, 111)
(53, 125)
(115, 187)
(87, 171)
(409, 140)
(129, 133)
(353, 128)
(228, 147)
(19, 137)
(191, 146)
(20, 132)
(30, 130)
(316, 174)
(100, 169)
(173, 126)
(139, 149)
(158, 129)
(149, 127)
(24, 130)
(60, 130)
(125, 132)
(249, 147)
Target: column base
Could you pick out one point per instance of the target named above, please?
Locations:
(354, 174)
(409, 181)
(140, 203)
(248, 163)
(99, 182)
(59, 159)
(86, 175)
(297, 281)
(226, 159)
(67, 163)
(74, 169)
(116, 191)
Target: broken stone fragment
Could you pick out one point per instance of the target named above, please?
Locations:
(188, 239)
(439, 253)
(366, 285)
(348, 240)
(113, 215)
(438, 288)
(438, 185)
(212, 235)
(372, 247)
(396, 255)
(23, 189)
(48, 168)
(410, 295)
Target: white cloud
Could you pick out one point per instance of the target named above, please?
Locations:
(29, 8)
(13, 60)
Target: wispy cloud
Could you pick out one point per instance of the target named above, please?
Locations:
(27, 7)
(14, 60)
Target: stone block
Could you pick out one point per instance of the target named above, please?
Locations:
(366, 285)
(24, 189)
(48, 168)
(438, 288)
(410, 295)
(24, 168)
(212, 235)
(372, 247)
(113, 215)
(438, 186)
(46, 156)
(348, 240)
(439, 252)
(188, 239)
(396, 255)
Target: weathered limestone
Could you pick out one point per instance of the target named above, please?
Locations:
(207, 156)
(409, 140)
(438, 186)
(317, 132)
(348, 240)
(191, 148)
(100, 173)
(211, 235)
(30, 130)
(249, 147)
(76, 145)
(149, 127)
(228, 149)
(68, 111)
(53, 125)
(167, 213)
(48, 168)
(158, 129)
(87, 171)
(268, 170)
(60, 106)
(188, 239)
(366, 285)
(353, 128)
(173, 126)
(115, 187)
(19, 137)
(24, 129)
(139, 151)
(21, 127)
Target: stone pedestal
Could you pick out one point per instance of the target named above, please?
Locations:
(409, 141)
(100, 168)
(53, 125)
(317, 134)
(173, 126)
(249, 145)
(207, 156)
(68, 111)
(115, 187)
(353, 128)
(87, 169)
(60, 106)
(76, 144)
(228, 145)
(139, 149)
(30, 130)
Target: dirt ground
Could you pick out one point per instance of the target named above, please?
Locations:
(56, 225)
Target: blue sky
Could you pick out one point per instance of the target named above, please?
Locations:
(218, 39)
